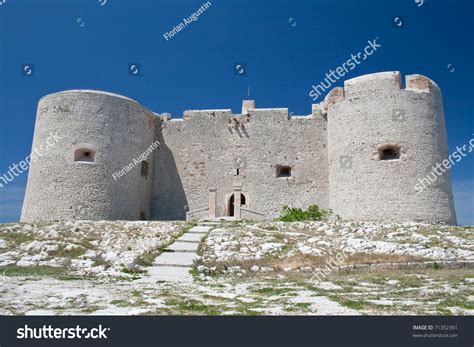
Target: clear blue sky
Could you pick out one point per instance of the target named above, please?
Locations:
(81, 44)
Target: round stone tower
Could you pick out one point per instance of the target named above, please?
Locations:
(96, 169)
(383, 141)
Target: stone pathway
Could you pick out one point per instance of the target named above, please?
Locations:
(176, 261)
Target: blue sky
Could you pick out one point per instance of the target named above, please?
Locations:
(286, 47)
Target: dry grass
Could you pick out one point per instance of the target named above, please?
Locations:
(374, 258)
(300, 260)
(297, 261)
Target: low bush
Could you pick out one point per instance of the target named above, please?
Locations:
(293, 214)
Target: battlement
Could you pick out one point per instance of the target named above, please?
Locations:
(247, 105)
(420, 83)
(212, 113)
(249, 111)
(388, 80)
(360, 152)
(375, 81)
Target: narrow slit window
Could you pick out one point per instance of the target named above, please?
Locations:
(144, 169)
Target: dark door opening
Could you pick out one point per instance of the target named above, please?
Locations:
(231, 204)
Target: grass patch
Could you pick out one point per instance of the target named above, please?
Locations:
(354, 304)
(132, 270)
(16, 237)
(436, 266)
(376, 258)
(90, 309)
(73, 252)
(120, 303)
(298, 307)
(300, 260)
(192, 307)
(99, 260)
(147, 258)
(194, 271)
(293, 214)
(46, 271)
(273, 291)
(277, 264)
(455, 302)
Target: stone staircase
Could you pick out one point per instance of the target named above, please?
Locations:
(176, 261)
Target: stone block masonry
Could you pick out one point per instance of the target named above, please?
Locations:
(358, 153)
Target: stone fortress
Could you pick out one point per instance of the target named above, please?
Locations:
(360, 152)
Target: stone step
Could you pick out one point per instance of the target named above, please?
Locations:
(171, 265)
(170, 273)
(174, 265)
(175, 258)
(184, 246)
(218, 220)
(178, 251)
(191, 237)
(200, 229)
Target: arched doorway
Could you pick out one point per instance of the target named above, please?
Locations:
(231, 204)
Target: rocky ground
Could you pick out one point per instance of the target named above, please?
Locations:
(99, 249)
(308, 246)
(275, 268)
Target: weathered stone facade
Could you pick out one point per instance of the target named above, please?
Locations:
(213, 163)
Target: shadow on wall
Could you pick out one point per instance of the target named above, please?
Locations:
(168, 198)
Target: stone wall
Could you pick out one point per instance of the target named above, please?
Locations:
(218, 149)
(118, 130)
(375, 114)
(331, 157)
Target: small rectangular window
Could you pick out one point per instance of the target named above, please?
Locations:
(389, 152)
(84, 155)
(283, 171)
(144, 169)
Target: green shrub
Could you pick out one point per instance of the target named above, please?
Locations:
(293, 214)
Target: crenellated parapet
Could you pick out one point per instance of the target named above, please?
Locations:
(421, 84)
(383, 138)
(249, 114)
(378, 82)
(363, 152)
